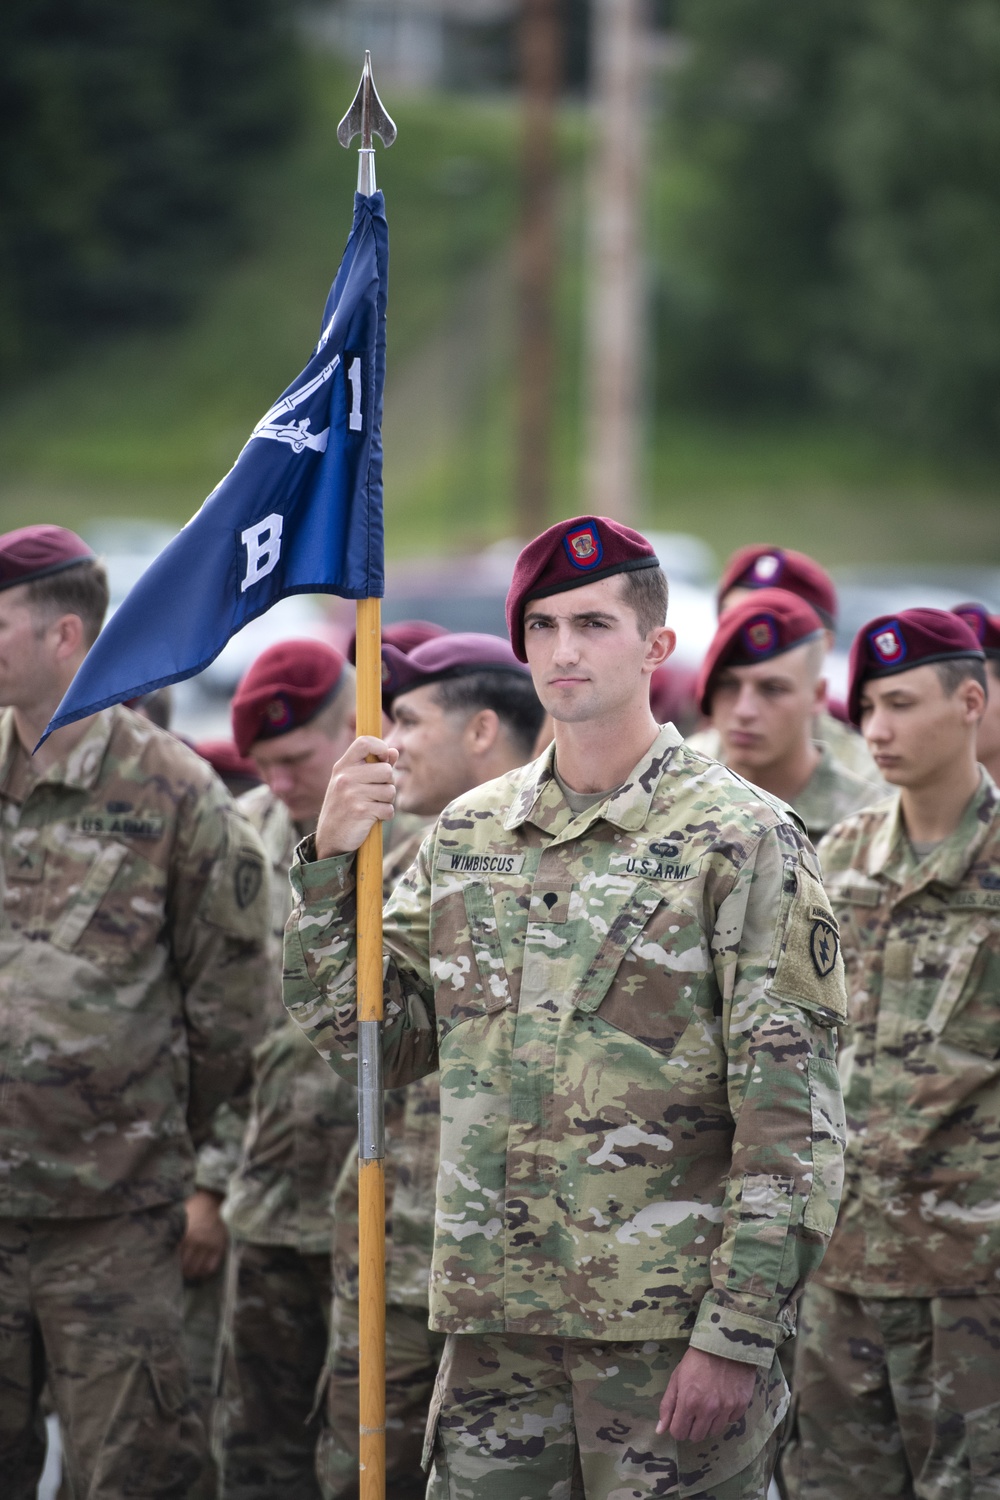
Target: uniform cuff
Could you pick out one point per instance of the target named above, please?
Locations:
(333, 877)
(736, 1335)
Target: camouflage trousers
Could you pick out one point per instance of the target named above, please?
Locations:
(562, 1419)
(93, 1308)
(895, 1397)
(202, 1324)
(413, 1352)
(272, 1351)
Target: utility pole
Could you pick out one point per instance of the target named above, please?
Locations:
(540, 39)
(614, 333)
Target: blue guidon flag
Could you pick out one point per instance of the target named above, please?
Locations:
(300, 511)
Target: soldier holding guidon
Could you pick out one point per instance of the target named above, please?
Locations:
(897, 1378)
(622, 962)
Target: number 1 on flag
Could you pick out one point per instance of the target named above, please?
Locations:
(354, 376)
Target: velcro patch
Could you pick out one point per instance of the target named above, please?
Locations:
(481, 864)
(809, 968)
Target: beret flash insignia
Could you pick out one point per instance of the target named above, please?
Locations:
(583, 547)
(767, 568)
(760, 636)
(278, 713)
(887, 644)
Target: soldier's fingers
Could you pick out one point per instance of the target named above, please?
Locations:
(369, 744)
(668, 1404)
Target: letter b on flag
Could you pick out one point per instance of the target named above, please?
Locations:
(263, 544)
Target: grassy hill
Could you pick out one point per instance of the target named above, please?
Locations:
(147, 425)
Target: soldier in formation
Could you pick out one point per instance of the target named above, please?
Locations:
(293, 714)
(132, 965)
(623, 965)
(897, 1367)
(986, 628)
(760, 567)
(762, 687)
(464, 712)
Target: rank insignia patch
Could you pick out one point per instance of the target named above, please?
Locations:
(823, 948)
(583, 547)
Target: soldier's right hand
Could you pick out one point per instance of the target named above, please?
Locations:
(361, 793)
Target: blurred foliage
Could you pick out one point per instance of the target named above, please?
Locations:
(829, 239)
(126, 131)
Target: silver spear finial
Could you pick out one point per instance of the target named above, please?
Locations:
(366, 117)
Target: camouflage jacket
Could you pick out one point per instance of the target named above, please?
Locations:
(412, 1133)
(921, 1068)
(632, 1012)
(131, 968)
(832, 793)
(845, 745)
(303, 1120)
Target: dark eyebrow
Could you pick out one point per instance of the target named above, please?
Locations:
(590, 614)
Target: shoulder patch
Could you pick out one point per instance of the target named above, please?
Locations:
(808, 965)
(247, 881)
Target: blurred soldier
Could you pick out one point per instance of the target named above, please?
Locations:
(761, 684)
(986, 628)
(131, 965)
(464, 712)
(622, 962)
(897, 1373)
(293, 714)
(237, 772)
(758, 567)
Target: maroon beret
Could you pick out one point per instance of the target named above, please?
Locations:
(226, 760)
(456, 655)
(36, 551)
(777, 568)
(403, 634)
(287, 686)
(897, 643)
(757, 629)
(671, 693)
(984, 626)
(568, 555)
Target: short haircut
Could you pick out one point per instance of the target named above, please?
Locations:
(511, 696)
(645, 591)
(79, 590)
(333, 713)
(951, 674)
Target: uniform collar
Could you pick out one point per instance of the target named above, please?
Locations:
(540, 800)
(890, 853)
(80, 769)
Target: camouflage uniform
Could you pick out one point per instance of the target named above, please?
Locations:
(631, 1010)
(833, 793)
(303, 1123)
(413, 1350)
(847, 748)
(898, 1380)
(130, 965)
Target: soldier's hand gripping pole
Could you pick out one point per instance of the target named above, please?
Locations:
(368, 117)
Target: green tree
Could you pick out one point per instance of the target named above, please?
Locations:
(745, 279)
(126, 132)
(915, 146)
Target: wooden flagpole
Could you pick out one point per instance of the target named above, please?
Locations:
(368, 117)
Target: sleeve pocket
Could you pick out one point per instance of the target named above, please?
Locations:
(829, 1138)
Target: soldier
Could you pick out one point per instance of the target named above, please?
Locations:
(293, 714)
(761, 567)
(130, 965)
(986, 628)
(621, 961)
(761, 685)
(897, 1375)
(464, 712)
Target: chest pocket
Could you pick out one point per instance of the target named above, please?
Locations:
(95, 885)
(651, 972)
(494, 986)
(966, 1008)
